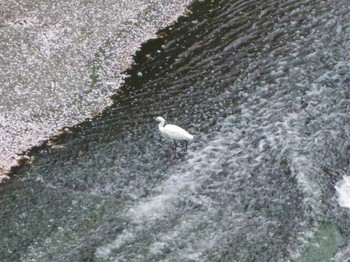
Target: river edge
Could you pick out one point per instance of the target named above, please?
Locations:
(15, 158)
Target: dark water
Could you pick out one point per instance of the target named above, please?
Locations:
(264, 88)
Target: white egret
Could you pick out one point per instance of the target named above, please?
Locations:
(173, 132)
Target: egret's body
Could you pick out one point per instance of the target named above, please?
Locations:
(173, 132)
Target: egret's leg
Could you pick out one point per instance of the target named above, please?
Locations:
(175, 145)
(186, 145)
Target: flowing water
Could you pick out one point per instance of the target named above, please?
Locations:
(264, 88)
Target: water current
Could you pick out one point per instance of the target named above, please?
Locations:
(264, 88)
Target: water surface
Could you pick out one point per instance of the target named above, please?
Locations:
(264, 88)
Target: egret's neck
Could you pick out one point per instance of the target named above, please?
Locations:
(161, 125)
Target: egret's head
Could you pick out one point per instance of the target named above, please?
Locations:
(160, 119)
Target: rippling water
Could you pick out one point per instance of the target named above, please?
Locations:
(264, 88)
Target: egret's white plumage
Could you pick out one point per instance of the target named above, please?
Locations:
(173, 132)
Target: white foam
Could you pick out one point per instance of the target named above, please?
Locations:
(343, 191)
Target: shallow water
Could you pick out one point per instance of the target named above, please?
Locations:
(264, 88)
